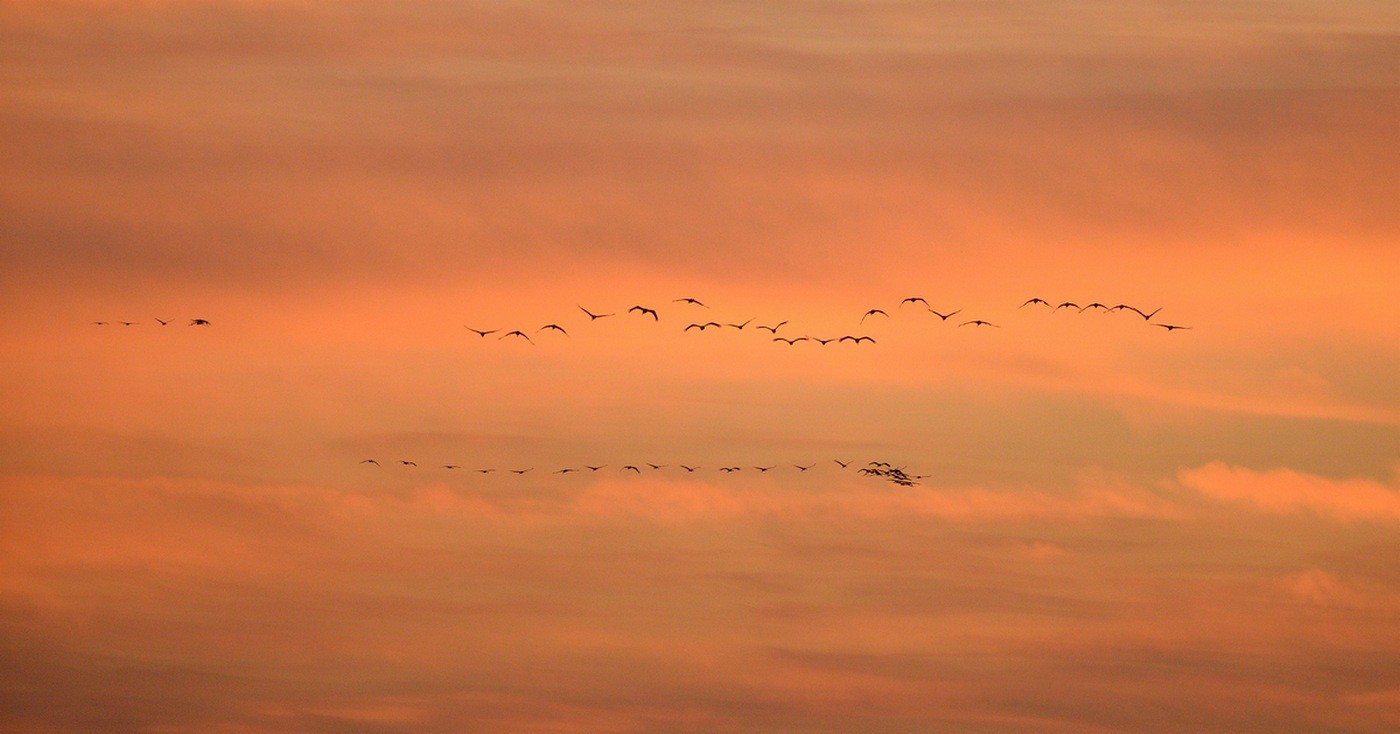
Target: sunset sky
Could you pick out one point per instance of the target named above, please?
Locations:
(1119, 528)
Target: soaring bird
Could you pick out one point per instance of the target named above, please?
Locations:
(164, 322)
(199, 322)
(1035, 300)
(482, 332)
(1171, 327)
(408, 463)
(520, 471)
(1145, 316)
(657, 466)
(856, 339)
(771, 329)
(370, 461)
(764, 468)
(804, 468)
(822, 341)
(565, 471)
(1095, 304)
(843, 464)
(872, 312)
(520, 334)
(485, 471)
(703, 326)
(689, 468)
(878, 463)
(633, 468)
(99, 323)
(127, 323)
(593, 316)
(790, 342)
(555, 327)
(594, 468)
(689, 300)
(1066, 304)
(645, 311)
(945, 316)
(451, 466)
(728, 469)
(740, 327)
(913, 299)
(979, 322)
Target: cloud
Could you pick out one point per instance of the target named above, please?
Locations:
(1286, 491)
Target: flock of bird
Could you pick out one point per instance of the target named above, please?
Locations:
(162, 322)
(640, 311)
(882, 469)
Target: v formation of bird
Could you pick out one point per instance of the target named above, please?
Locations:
(882, 469)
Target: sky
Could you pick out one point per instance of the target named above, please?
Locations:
(1116, 527)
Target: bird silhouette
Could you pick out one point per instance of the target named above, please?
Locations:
(520, 334)
(822, 341)
(1066, 304)
(127, 323)
(485, 471)
(913, 299)
(565, 471)
(843, 464)
(872, 312)
(451, 466)
(520, 471)
(945, 316)
(979, 322)
(1171, 327)
(689, 300)
(689, 468)
(1145, 316)
(645, 312)
(790, 342)
(370, 461)
(728, 469)
(555, 327)
(408, 463)
(1095, 304)
(878, 463)
(764, 468)
(594, 468)
(657, 466)
(771, 329)
(740, 327)
(100, 323)
(804, 468)
(1035, 300)
(164, 322)
(703, 326)
(483, 332)
(633, 468)
(199, 322)
(594, 316)
(856, 339)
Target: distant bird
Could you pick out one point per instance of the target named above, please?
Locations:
(370, 461)
(164, 322)
(878, 463)
(100, 323)
(645, 311)
(790, 342)
(565, 471)
(1171, 327)
(1095, 304)
(872, 312)
(485, 471)
(1066, 304)
(804, 468)
(1145, 316)
(1035, 300)
(593, 316)
(703, 326)
(657, 466)
(689, 300)
(408, 463)
(763, 468)
(483, 332)
(451, 466)
(520, 471)
(594, 468)
(979, 322)
(771, 329)
(822, 341)
(689, 468)
(520, 334)
(729, 469)
(740, 327)
(856, 339)
(555, 327)
(633, 468)
(913, 299)
(199, 322)
(843, 464)
(945, 316)
(127, 323)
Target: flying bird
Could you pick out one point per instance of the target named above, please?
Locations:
(370, 461)
(593, 316)
(1066, 304)
(729, 469)
(979, 322)
(1145, 316)
(771, 329)
(555, 327)
(645, 311)
(1171, 327)
(565, 471)
(689, 468)
(520, 334)
(520, 471)
(856, 339)
(199, 322)
(1035, 300)
(703, 326)
(764, 468)
(451, 466)
(408, 463)
(633, 468)
(946, 316)
(804, 468)
(594, 468)
(99, 323)
(872, 312)
(790, 342)
(913, 299)
(740, 327)
(485, 471)
(164, 322)
(843, 464)
(822, 341)
(483, 332)
(689, 300)
(657, 466)
(1095, 304)
(127, 323)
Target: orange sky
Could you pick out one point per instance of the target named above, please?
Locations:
(1120, 529)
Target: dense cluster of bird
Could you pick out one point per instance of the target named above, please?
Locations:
(641, 311)
(162, 322)
(882, 469)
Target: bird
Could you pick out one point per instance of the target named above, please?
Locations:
(878, 463)
(593, 316)
(520, 471)
(1066, 304)
(565, 471)
(657, 466)
(127, 323)
(1034, 300)
(370, 461)
(199, 322)
(804, 468)
(843, 464)
(1095, 304)
(689, 468)
(451, 466)
(872, 312)
(485, 471)
(727, 469)
(913, 299)
(633, 468)
(703, 326)
(483, 332)
(945, 316)
(822, 341)
(740, 327)
(163, 322)
(790, 342)
(856, 339)
(979, 322)
(771, 329)
(1145, 316)
(764, 468)
(645, 311)
(555, 327)
(594, 468)
(99, 323)
(1171, 327)
(520, 334)
(689, 300)
(408, 463)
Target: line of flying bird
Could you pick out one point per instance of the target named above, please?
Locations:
(874, 468)
(162, 322)
(648, 312)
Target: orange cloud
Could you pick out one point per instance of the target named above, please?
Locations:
(1282, 491)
